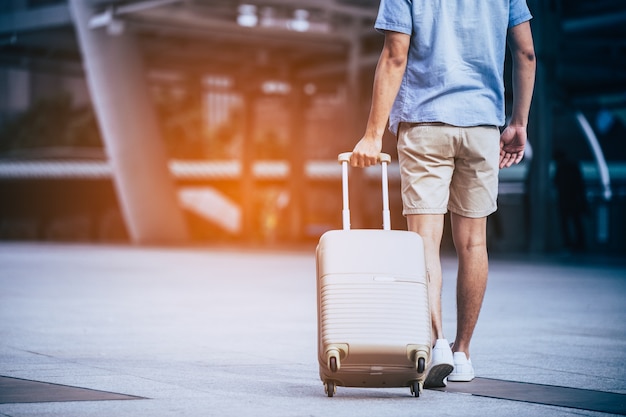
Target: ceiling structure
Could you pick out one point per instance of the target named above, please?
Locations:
(204, 36)
(306, 39)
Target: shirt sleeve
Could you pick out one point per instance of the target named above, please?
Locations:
(395, 15)
(518, 13)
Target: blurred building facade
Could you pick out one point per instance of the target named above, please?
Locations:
(245, 107)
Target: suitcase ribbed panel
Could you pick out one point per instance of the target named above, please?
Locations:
(369, 312)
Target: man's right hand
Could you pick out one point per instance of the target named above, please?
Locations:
(366, 152)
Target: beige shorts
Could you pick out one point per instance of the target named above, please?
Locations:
(445, 167)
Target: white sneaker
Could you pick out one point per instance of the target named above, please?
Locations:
(463, 369)
(441, 364)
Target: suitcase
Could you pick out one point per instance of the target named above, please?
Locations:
(374, 326)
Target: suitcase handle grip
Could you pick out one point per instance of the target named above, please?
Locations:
(384, 159)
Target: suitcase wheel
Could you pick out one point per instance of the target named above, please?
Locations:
(416, 388)
(421, 365)
(332, 361)
(330, 388)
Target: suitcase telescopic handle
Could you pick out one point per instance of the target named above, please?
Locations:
(344, 160)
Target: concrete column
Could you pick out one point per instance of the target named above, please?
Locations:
(128, 123)
(297, 159)
(359, 197)
(353, 82)
(247, 183)
(540, 127)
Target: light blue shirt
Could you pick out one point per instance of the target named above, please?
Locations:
(455, 69)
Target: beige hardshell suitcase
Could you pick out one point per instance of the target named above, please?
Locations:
(374, 326)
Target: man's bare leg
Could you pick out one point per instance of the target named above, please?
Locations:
(470, 241)
(430, 228)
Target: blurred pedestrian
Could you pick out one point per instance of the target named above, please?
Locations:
(572, 201)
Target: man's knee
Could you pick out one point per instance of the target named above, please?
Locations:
(428, 226)
(469, 234)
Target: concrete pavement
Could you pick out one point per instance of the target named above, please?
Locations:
(230, 332)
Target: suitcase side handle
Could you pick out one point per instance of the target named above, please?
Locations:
(384, 159)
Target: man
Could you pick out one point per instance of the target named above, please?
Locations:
(439, 82)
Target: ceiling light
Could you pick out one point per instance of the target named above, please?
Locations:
(107, 19)
(247, 15)
(300, 21)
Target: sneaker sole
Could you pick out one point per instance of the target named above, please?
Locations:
(437, 374)
(460, 378)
